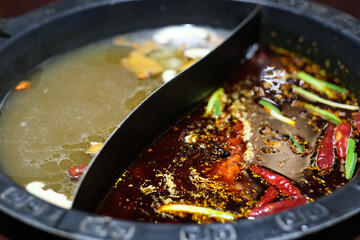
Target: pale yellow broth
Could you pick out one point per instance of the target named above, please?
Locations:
(74, 99)
(77, 99)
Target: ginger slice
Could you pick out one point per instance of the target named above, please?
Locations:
(141, 64)
(148, 47)
(94, 147)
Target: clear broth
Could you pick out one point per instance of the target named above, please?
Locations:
(75, 99)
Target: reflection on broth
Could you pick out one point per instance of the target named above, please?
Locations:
(76, 100)
(282, 132)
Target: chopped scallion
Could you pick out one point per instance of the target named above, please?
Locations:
(323, 113)
(223, 216)
(316, 98)
(217, 109)
(214, 103)
(351, 156)
(321, 86)
(297, 145)
(275, 112)
(269, 105)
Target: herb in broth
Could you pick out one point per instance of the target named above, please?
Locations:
(264, 148)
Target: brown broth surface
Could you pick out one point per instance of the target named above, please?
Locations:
(201, 161)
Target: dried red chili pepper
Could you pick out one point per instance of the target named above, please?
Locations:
(270, 194)
(325, 157)
(77, 171)
(357, 120)
(275, 207)
(342, 135)
(277, 181)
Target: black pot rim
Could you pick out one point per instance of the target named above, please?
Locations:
(16, 202)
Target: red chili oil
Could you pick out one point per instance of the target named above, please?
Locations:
(204, 161)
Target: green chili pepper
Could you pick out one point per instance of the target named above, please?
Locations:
(221, 215)
(315, 98)
(351, 157)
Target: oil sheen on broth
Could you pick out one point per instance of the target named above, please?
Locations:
(280, 133)
(77, 99)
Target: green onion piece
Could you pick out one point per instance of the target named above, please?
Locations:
(324, 114)
(275, 112)
(321, 86)
(316, 98)
(269, 105)
(217, 109)
(351, 156)
(223, 216)
(297, 144)
(213, 101)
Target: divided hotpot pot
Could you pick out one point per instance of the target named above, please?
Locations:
(39, 35)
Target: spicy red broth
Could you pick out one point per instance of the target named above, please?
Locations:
(269, 140)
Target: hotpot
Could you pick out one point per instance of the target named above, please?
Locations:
(26, 41)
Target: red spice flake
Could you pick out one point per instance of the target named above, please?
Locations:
(22, 85)
(142, 76)
(77, 171)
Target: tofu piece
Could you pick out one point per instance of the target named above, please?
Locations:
(58, 199)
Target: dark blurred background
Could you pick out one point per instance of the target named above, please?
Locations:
(13, 8)
(349, 6)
